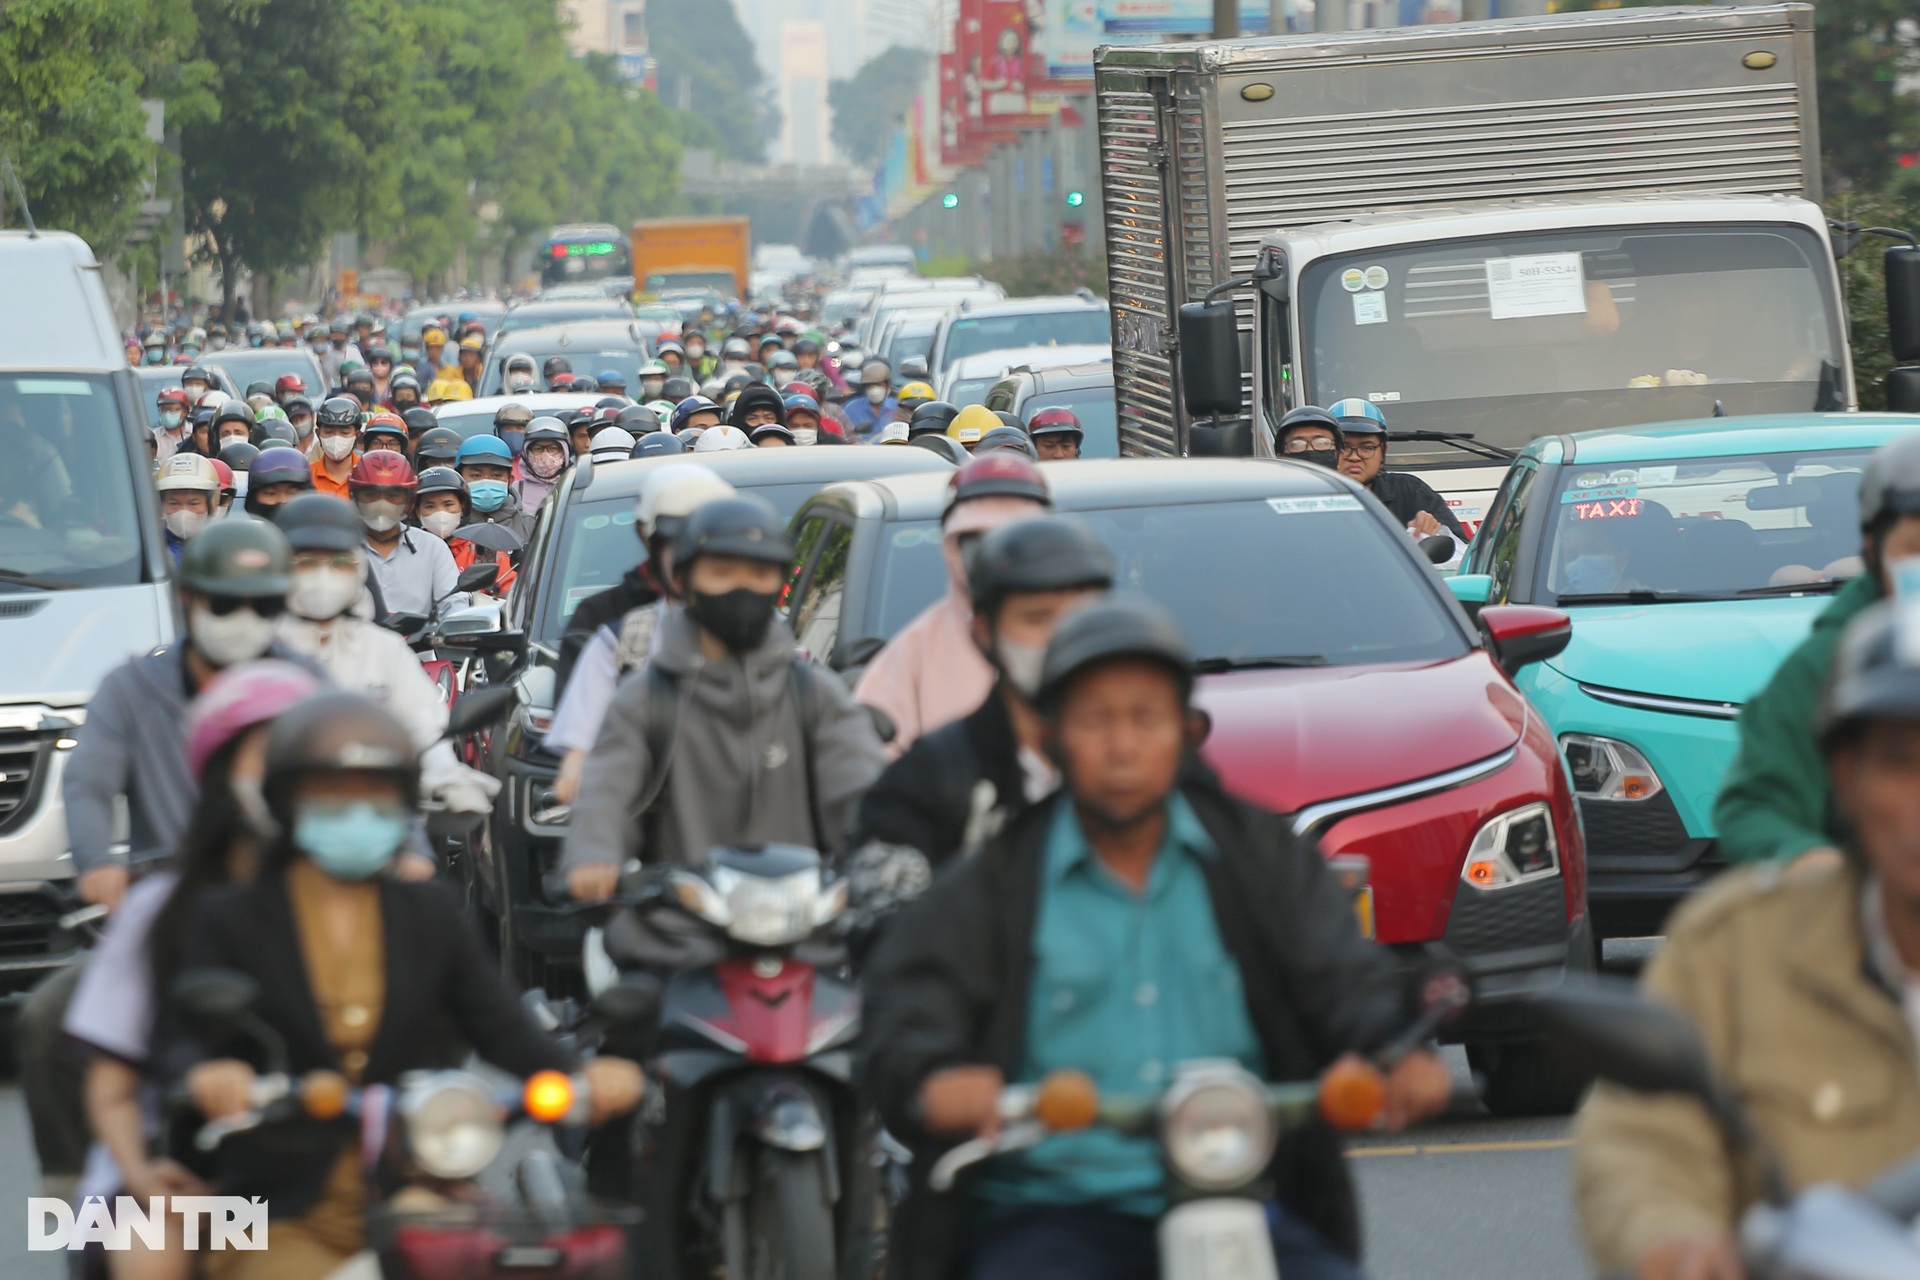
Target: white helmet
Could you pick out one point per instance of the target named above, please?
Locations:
(671, 492)
(188, 471)
(715, 439)
(611, 444)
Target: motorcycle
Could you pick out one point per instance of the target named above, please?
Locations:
(1218, 1126)
(440, 1130)
(1827, 1231)
(752, 1149)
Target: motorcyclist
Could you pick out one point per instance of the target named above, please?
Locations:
(1363, 456)
(336, 437)
(440, 506)
(932, 671)
(436, 447)
(403, 393)
(433, 346)
(486, 464)
(172, 431)
(653, 380)
(338, 352)
(912, 396)
(521, 376)
(697, 412)
(700, 362)
(803, 420)
(1056, 433)
(1801, 987)
(510, 424)
(1775, 803)
(970, 424)
(287, 386)
(1138, 889)
(551, 368)
(189, 490)
(472, 349)
(197, 382)
(580, 427)
(299, 411)
(1310, 434)
(763, 747)
(384, 431)
(756, 406)
(340, 784)
(276, 477)
(875, 406)
(380, 367)
(232, 421)
(414, 569)
(544, 453)
(959, 784)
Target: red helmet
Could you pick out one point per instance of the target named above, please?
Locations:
(999, 474)
(289, 382)
(173, 395)
(560, 380)
(609, 415)
(382, 469)
(225, 473)
(1058, 420)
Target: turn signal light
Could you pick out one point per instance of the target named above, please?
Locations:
(1068, 1100)
(548, 1096)
(1352, 1095)
(1485, 872)
(323, 1094)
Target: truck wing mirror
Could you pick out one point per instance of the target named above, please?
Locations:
(1903, 390)
(1903, 301)
(1210, 358)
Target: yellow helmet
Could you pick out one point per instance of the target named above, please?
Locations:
(914, 393)
(971, 423)
(474, 342)
(433, 336)
(453, 388)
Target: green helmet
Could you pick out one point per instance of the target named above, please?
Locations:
(237, 556)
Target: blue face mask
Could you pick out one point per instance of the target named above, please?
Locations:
(487, 495)
(514, 440)
(352, 841)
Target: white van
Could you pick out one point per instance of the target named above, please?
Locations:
(83, 572)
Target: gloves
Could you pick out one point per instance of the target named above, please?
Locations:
(462, 790)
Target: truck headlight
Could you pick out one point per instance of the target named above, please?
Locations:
(1215, 1126)
(1514, 848)
(1608, 769)
(453, 1124)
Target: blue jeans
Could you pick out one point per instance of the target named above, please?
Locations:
(1085, 1243)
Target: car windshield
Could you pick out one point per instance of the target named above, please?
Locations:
(1526, 335)
(1098, 419)
(67, 511)
(971, 335)
(598, 545)
(965, 391)
(267, 365)
(1368, 601)
(1705, 528)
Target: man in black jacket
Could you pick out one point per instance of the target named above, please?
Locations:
(1138, 920)
(957, 786)
(1363, 456)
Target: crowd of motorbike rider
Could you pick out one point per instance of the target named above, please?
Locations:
(1045, 872)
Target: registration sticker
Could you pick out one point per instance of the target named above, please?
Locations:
(1369, 308)
(1353, 279)
(1311, 506)
(596, 522)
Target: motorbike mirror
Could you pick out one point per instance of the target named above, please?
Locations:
(404, 623)
(213, 1000)
(478, 576)
(1629, 1039)
(632, 1000)
(1437, 549)
(481, 708)
(883, 726)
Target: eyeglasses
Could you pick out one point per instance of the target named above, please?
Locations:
(1318, 444)
(325, 560)
(265, 606)
(1362, 448)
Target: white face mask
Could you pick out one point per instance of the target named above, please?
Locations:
(805, 435)
(381, 516)
(184, 524)
(441, 524)
(232, 437)
(652, 387)
(337, 447)
(241, 636)
(1021, 664)
(520, 381)
(320, 594)
(876, 395)
(730, 367)
(694, 351)
(302, 427)
(781, 377)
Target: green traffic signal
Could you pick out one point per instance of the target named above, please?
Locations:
(950, 201)
(1075, 199)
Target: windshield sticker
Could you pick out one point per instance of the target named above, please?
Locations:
(1376, 277)
(575, 595)
(1313, 506)
(913, 538)
(1598, 493)
(1383, 397)
(1658, 475)
(1546, 284)
(1369, 308)
(51, 387)
(1353, 279)
(596, 522)
(623, 517)
(1607, 479)
(1607, 509)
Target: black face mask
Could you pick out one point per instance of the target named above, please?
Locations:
(1328, 458)
(738, 619)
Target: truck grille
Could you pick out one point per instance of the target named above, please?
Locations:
(23, 765)
(1526, 915)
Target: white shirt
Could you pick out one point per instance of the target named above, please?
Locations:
(596, 673)
(419, 576)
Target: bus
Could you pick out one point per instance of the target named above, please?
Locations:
(585, 253)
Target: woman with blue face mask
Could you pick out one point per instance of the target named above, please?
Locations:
(359, 972)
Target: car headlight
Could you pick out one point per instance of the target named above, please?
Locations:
(453, 1124)
(1514, 848)
(763, 912)
(1607, 769)
(1215, 1126)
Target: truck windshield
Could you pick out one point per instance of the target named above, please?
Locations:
(67, 511)
(1514, 337)
(1704, 528)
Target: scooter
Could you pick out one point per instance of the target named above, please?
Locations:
(1827, 1231)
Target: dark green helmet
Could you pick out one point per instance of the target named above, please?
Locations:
(237, 556)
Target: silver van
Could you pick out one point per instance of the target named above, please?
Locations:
(83, 572)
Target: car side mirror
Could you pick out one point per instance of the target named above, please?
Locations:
(477, 709)
(1520, 635)
(1627, 1038)
(1472, 590)
(1903, 301)
(1210, 358)
(855, 654)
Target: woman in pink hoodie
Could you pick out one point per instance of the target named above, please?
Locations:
(932, 671)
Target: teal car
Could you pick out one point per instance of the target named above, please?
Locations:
(1692, 557)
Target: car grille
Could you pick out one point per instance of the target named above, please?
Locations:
(1524, 915)
(29, 926)
(1632, 828)
(23, 765)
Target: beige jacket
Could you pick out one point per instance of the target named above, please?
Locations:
(1773, 971)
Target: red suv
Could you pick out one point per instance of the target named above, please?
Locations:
(1346, 688)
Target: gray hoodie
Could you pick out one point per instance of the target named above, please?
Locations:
(738, 775)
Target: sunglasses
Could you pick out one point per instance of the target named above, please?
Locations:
(265, 606)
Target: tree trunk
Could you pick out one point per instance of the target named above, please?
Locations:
(265, 283)
(229, 272)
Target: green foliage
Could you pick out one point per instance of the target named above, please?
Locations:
(707, 68)
(1864, 281)
(1864, 121)
(869, 106)
(1061, 271)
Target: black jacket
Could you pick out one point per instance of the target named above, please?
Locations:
(1406, 496)
(444, 993)
(635, 589)
(949, 982)
(925, 799)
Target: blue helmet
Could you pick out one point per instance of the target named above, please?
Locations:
(610, 378)
(656, 443)
(484, 448)
(690, 406)
(1359, 417)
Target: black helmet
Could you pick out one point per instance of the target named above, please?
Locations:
(1117, 627)
(1890, 485)
(615, 403)
(320, 522)
(437, 445)
(295, 401)
(656, 444)
(745, 526)
(677, 389)
(583, 382)
(1006, 438)
(1045, 554)
(1309, 415)
(338, 411)
(283, 465)
(275, 431)
(336, 733)
(234, 410)
(194, 372)
(259, 387)
(1870, 681)
(1009, 419)
(637, 419)
(362, 377)
(238, 556)
(419, 422)
(239, 456)
(806, 347)
(552, 365)
(511, 415)
(944, 445)
(403, 381)
(934, 415)
(443, 480)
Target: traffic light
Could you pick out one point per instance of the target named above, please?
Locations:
(951, 200)
(1075, 199)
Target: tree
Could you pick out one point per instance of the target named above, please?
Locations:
(707, 69)
(870, 105)
(1865, 121)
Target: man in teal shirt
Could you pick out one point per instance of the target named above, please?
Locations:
(1138, 919)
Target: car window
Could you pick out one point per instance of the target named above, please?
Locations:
(1099, 418)
(966, 391)
(1001, 395)
(805, 539)
(1497, 543)
(67, 511)
(971, 335)
(816, 618)
(911, 574)
(596, 547)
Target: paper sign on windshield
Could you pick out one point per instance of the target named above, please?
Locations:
(1546, 284)
(1303, 506)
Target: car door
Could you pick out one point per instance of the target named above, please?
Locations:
(1496, 550)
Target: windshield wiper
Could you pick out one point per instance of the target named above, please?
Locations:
(1461, 440)
(1213, 666)
(18, 578)
(1826, 587)
(1639, 595)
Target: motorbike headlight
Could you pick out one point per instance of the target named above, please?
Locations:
(765, 912)
(1514, 848)
(1607, 769)
(1215, 1126)
(453, 1124)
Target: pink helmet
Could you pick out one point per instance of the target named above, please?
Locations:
(238, 699)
